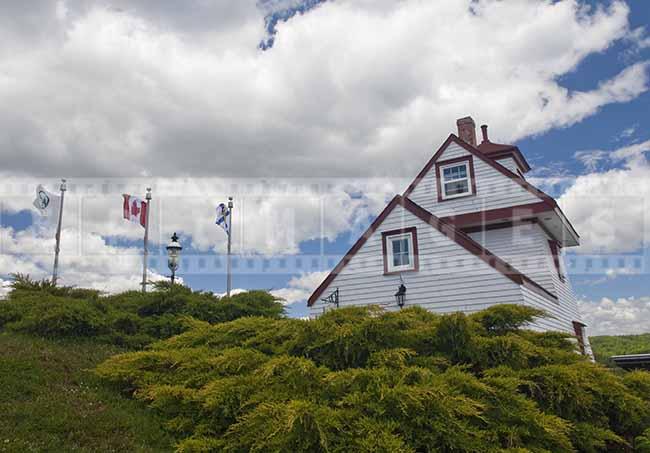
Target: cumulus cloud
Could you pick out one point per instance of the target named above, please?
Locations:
(271, 216)
(95, 265)
(233, 292)
(616, 317)
(151, 88)
(352, 88)
(300, 288)
(5, 288)
(610, 209)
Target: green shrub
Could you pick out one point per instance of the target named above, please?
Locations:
(132, 319)
(361, 380)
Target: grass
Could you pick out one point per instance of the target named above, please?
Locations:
(606, 346)
(51, 402)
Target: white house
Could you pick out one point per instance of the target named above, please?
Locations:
(469, 232)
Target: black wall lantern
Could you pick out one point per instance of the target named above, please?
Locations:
(400, 295)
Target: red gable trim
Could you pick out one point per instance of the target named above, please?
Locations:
(488, 160)
(448, 230)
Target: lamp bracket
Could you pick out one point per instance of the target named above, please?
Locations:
(333, 298)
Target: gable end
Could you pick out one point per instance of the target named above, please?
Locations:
(488, 160)
(446, 229)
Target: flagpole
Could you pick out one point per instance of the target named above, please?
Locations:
(145, 254)
(229, 277)
(57, 248)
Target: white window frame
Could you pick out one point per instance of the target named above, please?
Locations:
(468, 178)
(389, 252)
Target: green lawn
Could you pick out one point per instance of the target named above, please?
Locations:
(51, 402)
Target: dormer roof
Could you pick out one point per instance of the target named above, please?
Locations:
(498, 151)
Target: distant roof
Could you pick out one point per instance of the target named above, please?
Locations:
(632, 361)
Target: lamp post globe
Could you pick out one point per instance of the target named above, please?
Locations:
(173, 255)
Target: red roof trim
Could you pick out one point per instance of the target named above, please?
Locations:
(428, 166)
(448, 230)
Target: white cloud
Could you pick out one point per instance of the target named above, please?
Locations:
(347, 87)
(96, 265)
(616, 317)
(610, 209)
(632, 153)
(271, 216)
(300, 288)
(350, 88)
(591, 159)
(5, 288)
(627, 132)
(233, 292)
(639, 37)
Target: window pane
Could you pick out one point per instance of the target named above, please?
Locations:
(456, 187)
(401, 259)
(404, 247)
(457, 172)
(400, 252)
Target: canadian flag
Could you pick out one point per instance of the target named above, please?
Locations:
(135, 209)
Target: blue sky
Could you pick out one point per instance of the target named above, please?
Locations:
(311, 104)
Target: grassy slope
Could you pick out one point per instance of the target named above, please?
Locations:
(49, 401)
(606, 346)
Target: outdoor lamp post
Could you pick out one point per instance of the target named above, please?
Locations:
(400, 295)
(173, 254)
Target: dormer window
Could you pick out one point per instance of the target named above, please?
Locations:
(455, 178)
(400, 248)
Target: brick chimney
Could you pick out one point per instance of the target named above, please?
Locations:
(467, 130)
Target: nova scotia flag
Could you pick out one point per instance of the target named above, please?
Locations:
(223, 217)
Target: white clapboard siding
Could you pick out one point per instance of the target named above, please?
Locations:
(558, 320)
(509, 163)
(464, 283)
(564, 291)
(526, 248)
(493, 189)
